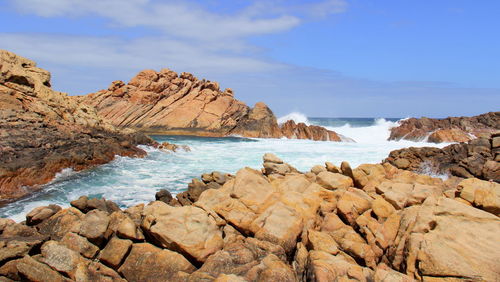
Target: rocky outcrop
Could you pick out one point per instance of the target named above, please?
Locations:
(371, 223)
(451, 129)
(167, 103)
(43, 131)
(478, 158)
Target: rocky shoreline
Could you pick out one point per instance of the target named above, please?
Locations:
(43, 131)
(371, 223)
(478, 158)
(451, 129)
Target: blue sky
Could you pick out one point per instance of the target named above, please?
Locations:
(337, 58)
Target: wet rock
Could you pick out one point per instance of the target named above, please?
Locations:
(169, 147)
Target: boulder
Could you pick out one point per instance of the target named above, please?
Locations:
(32, 270)
(149, 263)
(189, 230)
(79, 244)
(94, 226)
(332, 181)
(39, 214)
(482, 194)
(448, 239)
(115, 252)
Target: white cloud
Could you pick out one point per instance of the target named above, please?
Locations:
(132, 54)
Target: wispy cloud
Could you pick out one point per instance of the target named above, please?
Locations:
(185, 19)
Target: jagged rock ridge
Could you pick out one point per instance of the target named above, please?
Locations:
(43, 131)
(167, 103)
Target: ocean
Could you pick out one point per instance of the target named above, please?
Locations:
(129, 181)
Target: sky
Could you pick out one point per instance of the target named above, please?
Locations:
(324, 58)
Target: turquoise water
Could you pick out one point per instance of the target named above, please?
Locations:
(129, 181)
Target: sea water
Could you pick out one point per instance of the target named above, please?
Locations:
(129, 181)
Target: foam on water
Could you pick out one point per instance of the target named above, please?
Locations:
(129, 181)
(295, 116)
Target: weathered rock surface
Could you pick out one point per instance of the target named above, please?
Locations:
(168, 103)
(371, 223)
(478, 158)
(451, 129)
(43, 131)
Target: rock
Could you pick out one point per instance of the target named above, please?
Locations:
(115, 251)
(472, 159)
(18, 240)
(451, 129)
(332, 168)
(49, 131)
(332, 181)
(149, 263)
(219, 178)
(94, 226)
(84, 204)
(352, 203)
(317, 169)
(188, 229)
(164, 196)
(62, 222)
(321, 241)
(348, 240)
(79, 244)
(129, 230)
(346, 169)
(94, 271)
(382, 208)
(167, 103)
(445, 238)
(449, 135)
(326, 267)
(39, 214)
(292, 130)
(248, 258)
(60, 258)
(272, 158)
(482, 194)
(169, 147)
(33, 270)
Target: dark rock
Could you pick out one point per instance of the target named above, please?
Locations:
(39, 214)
